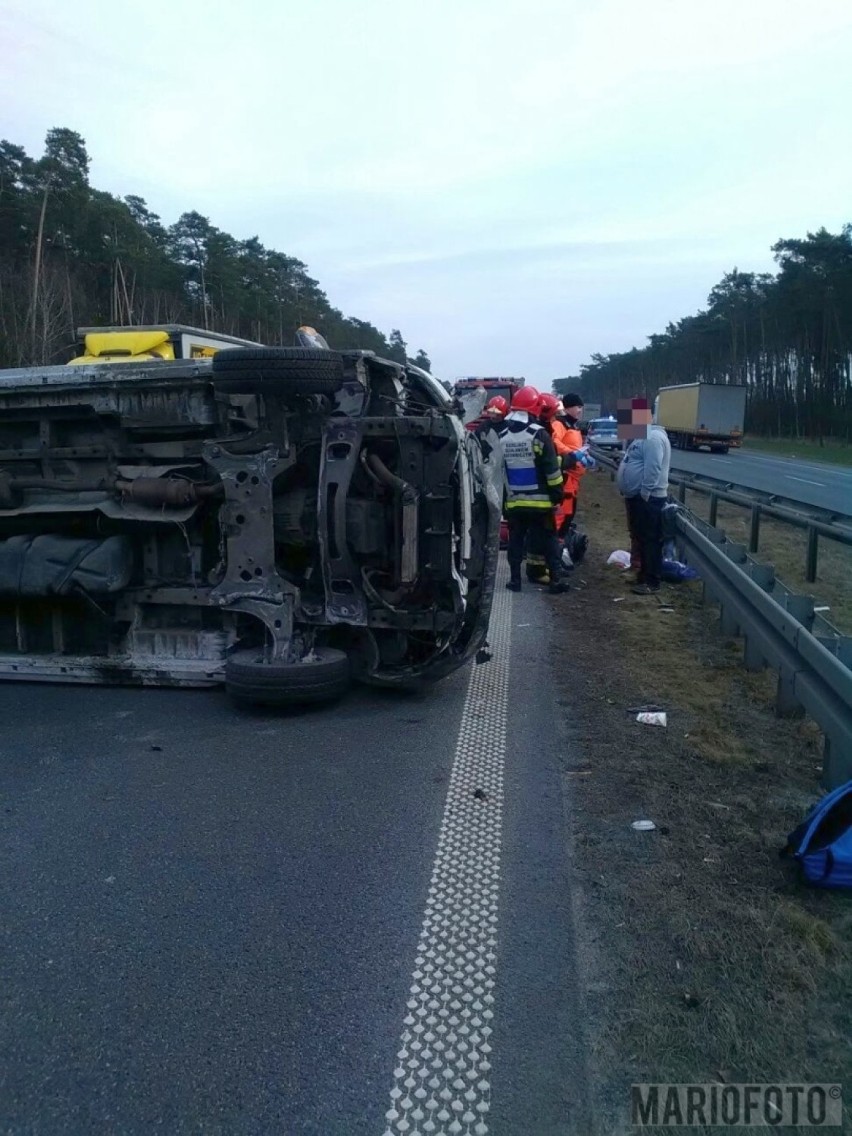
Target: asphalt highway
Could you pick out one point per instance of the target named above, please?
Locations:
(213, 919)
(811, 483)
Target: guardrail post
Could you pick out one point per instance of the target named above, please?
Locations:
(801, 608)
(708, 593)
(839, 645)
(754, 531)
(811, 568)
(833, 772)
(728, 624)
(714, 508)
(763, 575)
(753, 659)
(787, 704)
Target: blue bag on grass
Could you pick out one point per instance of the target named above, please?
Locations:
(823, 841)
(673, 571)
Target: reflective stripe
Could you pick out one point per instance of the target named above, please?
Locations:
(542, 503)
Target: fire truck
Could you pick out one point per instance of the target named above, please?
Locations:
(472, 393)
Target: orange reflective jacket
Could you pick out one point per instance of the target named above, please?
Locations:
(559, 435)
(573, 439)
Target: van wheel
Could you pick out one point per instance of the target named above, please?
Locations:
(277, 370)
(321, 676)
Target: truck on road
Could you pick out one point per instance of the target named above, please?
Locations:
(702, 414)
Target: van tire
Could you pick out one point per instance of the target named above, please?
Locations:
(277, 370)
(249, 679)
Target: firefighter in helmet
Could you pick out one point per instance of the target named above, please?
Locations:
(533, 489)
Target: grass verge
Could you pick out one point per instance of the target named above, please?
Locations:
(785, 547)
(832, 451)
(703, 956)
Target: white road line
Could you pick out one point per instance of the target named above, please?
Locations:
(442, 1083)
(832, 471)
(804, 480)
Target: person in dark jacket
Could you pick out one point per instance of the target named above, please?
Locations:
(533, 489)
(643, 479)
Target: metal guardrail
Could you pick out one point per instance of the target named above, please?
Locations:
(781, 630)
(813, 669)
(816, 522)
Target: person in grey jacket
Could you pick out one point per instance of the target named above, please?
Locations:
(643, 481)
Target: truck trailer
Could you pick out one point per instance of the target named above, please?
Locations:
(702, 414)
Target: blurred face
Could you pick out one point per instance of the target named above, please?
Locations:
(574, 412)
(634, 418)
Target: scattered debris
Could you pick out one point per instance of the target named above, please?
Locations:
(643, 826)
(691, 1001)
(618, 599)
(651, 719)
(674, 571)
(480, 794)
(824, 608)
(483, 656)
(157, 749)
(619, 557)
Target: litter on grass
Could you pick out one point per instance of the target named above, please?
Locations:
(619, 557)
(651, 719)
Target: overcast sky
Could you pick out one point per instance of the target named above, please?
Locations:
(514, 183)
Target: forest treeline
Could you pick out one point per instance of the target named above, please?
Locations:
(787, 336)
(72, 255)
